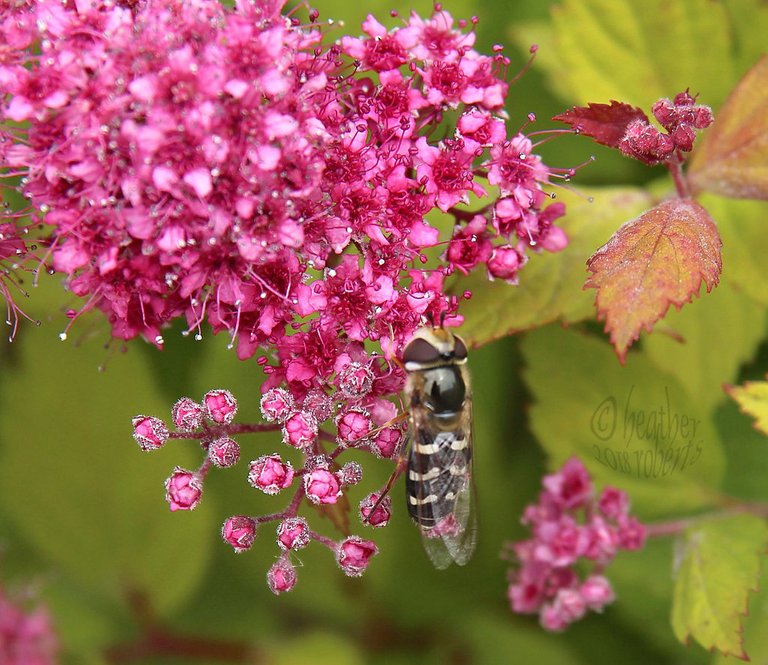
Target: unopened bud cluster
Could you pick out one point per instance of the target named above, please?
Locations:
(570, 526)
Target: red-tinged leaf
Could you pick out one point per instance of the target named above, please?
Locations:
(733, 158)
(650, 263)
(606, 123)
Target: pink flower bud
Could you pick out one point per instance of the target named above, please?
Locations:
(240, 532)
(224, 452)
(613, 503)
(318, 404)
(355, 381)
(300, 430)
(270, 474)
(281, 576)
(504, 263)
(183, 490)
(597, 592)
(187, 415)
(570, 487)
(293, 533)
(322, 486)
(351, 473)
(551, 619)
(150, 433)
(220, 406)
(379, 517)
(276, 405)
(354, 554)
(354, 425)
(386, 442)
(631, 534)
(570, 604)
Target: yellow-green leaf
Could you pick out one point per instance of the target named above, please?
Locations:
(752, 398)
(718, 564)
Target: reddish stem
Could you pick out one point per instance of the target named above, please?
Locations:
(675, 167)
(731, 507)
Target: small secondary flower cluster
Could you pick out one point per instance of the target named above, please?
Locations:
(228, 165)
(569, 523)
(26, 638)
(679, 117)
(320, 479)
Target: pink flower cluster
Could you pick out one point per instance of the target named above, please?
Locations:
(26, 638)
(319, 479)
(233, 166)
(569, 524)
(679, 117)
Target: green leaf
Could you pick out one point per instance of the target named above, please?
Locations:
(550, 287)
(637, 53)
(680, 347)
(718, 564)
(634, 427)
(78, 488)
(743, 228)
(752, 398)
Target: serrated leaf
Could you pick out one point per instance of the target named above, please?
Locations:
(718, 564)
(652, 262)
(733, 157)
(752, 398)
(606, 123)
(679, 346)
(639, 52)
(633, 426)
(549, 288)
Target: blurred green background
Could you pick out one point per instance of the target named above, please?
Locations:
(82, 511)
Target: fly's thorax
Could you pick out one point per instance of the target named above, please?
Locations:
(441, 392)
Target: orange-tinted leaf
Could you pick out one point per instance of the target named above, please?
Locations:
(733, 158)
(650, 263)
(606, 123)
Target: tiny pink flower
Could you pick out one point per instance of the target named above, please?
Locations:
(551, 619)
(300, 430)
(504, 263)
(386, 443)
(183, 490)
(322, 486)
(281, 576)
(631, 533)
(270, 474)
(597, 592)
(240, 532)
(276, 405)
(220, 406)
(354, 554)
(293, 533)
(381, 515)
(355, 381)
(570, 604)
(570, 487)
(150, 433)
(318, 404)
(613, 503)
(187, 415)
(224, 452)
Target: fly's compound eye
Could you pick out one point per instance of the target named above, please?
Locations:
(460, 349)
(420, 351)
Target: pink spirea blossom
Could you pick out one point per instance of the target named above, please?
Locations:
(270, 474)
(27, 637)
(150, 433)
(570, 525)
(281, 576)
(183, 490)
(240, 532)
(354, 554)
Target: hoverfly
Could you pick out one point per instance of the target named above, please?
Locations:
(438, 485)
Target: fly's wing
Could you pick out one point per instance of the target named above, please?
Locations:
(441, 494)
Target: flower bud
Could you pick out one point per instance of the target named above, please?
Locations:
(300, 430)
(351, 473)
(183, 490)
(322, 486)
(150, 433)
(355, 381)
(220, 406)
(379, 517)
(354, 554)
(597, 592)
(240, 532)
(276, 405)
(353, 426)
(293, 533)
(270, 474)
(224, 452)
(281, 576)
(187, 415)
